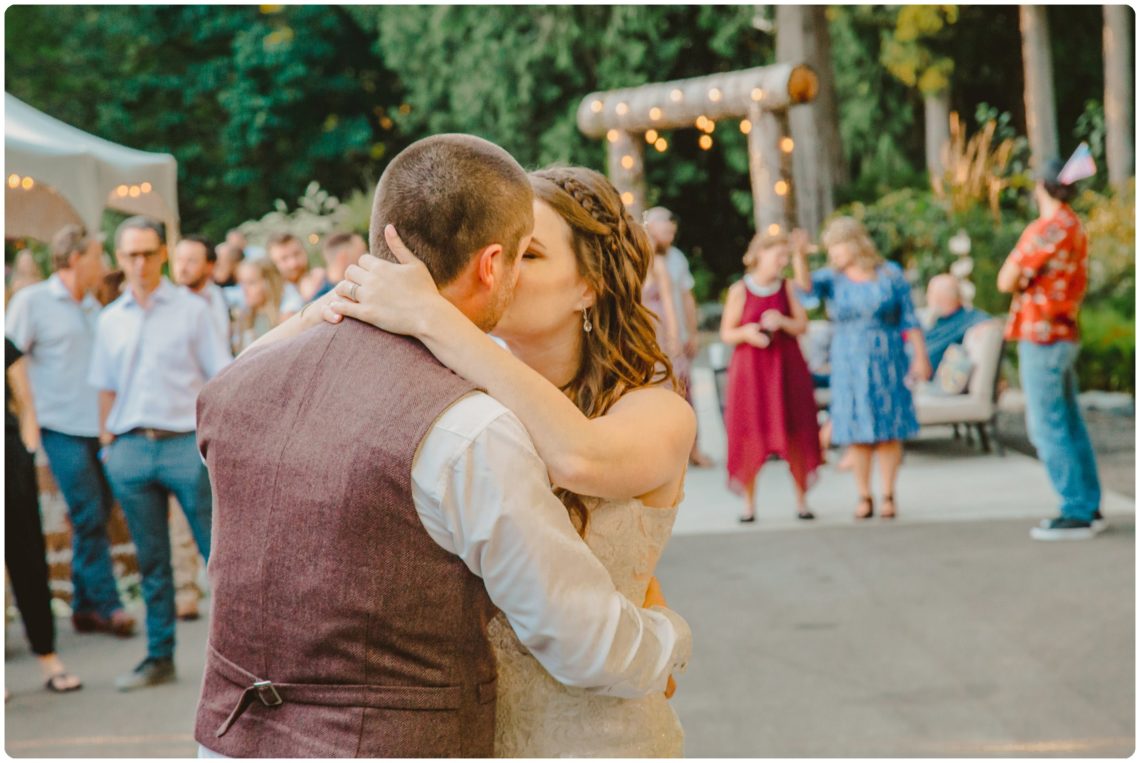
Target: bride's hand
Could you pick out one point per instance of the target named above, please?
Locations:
(393, 296)
(654, 598)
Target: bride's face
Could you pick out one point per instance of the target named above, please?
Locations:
(550, 293)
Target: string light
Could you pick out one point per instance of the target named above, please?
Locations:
(314, 238)
(655, 113)
(651, 137)
(661, 144)
(627, 162)
(596, 106)
(787, 144)
(627, 198)
(773, 229)
(781, 187)
(745, 126)
(705, 142)
(27, 183)
(757, 94)
(701, 122)
(122, 191)
(715, 94)
(622, 109)
(145, 187)
(135, 192)
(710, 125)
(13, 181)
(676, 95)
(612, 136)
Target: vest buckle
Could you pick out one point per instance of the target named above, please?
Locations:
(267, 693)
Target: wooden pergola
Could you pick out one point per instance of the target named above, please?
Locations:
(759, 98)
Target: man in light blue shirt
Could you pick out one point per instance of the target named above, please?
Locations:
(53, 324)
(661, 225)
(155, 348)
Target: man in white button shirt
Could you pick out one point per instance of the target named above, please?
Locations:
(193, 267)
(53, 324)
(155, 348)
(287, 253)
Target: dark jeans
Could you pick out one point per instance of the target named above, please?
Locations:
(75, 464)
(24, 552)
(143, 474)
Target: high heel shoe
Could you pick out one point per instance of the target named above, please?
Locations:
(893, 512)
(870, 504)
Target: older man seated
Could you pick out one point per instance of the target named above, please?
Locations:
(951, 318)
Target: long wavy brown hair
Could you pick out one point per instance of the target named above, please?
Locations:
(614, 255)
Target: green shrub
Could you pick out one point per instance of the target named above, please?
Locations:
(1108, 350)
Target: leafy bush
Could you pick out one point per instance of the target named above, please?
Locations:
(1108, 350)
(1110, 223)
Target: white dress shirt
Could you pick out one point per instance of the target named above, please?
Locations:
(156, 360)
(219, 309)
(291, 299)
(56, 334)
(483, 494)
(682, 278)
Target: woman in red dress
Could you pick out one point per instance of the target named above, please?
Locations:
(770, 407)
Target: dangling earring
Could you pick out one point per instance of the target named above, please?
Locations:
(586, 325)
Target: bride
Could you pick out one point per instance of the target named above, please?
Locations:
(588, 380)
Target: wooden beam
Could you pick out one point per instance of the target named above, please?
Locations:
(670, 105)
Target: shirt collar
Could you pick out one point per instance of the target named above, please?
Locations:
(163, 293)
(58, 289)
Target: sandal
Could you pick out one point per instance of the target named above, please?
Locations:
(57, 683)
(870, 504)
(888, 514)
(746, 518)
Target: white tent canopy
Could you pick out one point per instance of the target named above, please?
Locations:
(58, 174)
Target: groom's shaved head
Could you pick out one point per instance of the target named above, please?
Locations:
(450, 196)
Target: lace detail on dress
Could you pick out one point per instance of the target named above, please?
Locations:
(537, 717)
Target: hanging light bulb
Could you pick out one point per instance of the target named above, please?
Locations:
(27, 183)
(145, 187)
(622, 109)
(710, 126)
(757, 94)
(612, 135)
(122, 191)
(135, 192)
(627, 162)
(773, 229)
(676, 95)
(596, 106)
(627, 197)
(655, 113)
(715, 94)
(13, 181)
(661, 144)
(787, 144)
(745, 126)
(781, 188)
(651, 137)
(705, 142)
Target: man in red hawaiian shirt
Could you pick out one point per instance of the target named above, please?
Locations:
(1047, 273)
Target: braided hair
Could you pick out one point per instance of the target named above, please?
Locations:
(613, 252)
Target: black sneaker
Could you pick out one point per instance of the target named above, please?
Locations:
(1065, 529)
(150, 672)
(1099, 523)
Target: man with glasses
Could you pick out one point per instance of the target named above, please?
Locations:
(155, 348)
(53, 324)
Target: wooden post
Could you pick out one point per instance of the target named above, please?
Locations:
(626, 167)
(937, 121)
(1040, 106)
(1119, 151)
(764, 169)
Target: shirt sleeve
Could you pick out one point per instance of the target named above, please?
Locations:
(493, 507)
(1034, 248)
(18, 324)
(823, 283)
(683, 275)
(101, 375)
(213, 355)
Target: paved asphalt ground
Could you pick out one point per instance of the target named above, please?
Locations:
(945, 633)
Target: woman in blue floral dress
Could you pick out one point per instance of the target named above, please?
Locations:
(869, 303)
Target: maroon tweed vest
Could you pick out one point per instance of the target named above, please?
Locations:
(325, 583)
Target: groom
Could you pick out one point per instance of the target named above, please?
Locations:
(373, 509)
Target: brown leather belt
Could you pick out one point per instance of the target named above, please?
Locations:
(151, 433)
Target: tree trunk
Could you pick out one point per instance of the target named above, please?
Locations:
(1118, 94)
(796, 41)
(1040, 106)
(827, 103)
(937, 135)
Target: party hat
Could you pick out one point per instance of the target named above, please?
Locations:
(1079, 166)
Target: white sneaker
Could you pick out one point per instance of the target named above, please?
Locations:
(1099, 523)
(1065, 529)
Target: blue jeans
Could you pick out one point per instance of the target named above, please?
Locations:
(1055, 426)
(75, 464)
(143, 474)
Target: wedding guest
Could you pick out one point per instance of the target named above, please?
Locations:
(288, 254)
(193, 267)
(227, 256)
(340, 251)
(952, 319)
(53, 324)
(155, 347)
(661, 225)
(869, 300)
(24, 554)
(770, 405)
(25, 272)
(1047, 273)
(262, 289)
(657, 296)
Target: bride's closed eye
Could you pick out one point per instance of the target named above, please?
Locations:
(529, 255)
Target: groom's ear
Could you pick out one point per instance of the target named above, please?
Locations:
(489, 265)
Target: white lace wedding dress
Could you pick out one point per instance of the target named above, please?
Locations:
(538, 717)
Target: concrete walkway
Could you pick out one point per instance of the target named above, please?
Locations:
(945, 633)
